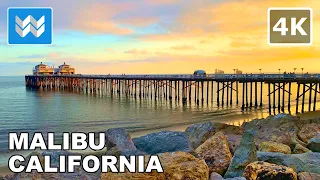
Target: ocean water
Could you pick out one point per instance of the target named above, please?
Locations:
(25, 110)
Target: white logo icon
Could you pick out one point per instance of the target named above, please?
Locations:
(30, 25)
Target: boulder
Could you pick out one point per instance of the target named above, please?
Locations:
(176, 166)
(216, 176)
(299, 149)
(270, 146)
(216, 153)
(233, 142)
(272, 121)
(119, 140)
(231, 129)
(198, 133)
(314, 144)
(308, 176)
(54, 161)
(306, 162)
(165, 141)
(308, 131)
(244, 155)
(272, 134)
(263, 170)
(55, 156)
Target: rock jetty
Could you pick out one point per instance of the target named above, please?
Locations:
(276, 147)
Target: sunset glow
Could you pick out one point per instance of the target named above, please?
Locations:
(161, 37)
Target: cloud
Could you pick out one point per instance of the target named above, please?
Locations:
(136, 52)
(111, 50)
(97, 18)
(33, 56)
(163, 2)
(137, 21)
(182, 47)
(49, 56)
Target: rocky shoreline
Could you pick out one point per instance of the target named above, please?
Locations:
(277, 147)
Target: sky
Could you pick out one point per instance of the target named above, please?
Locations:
(159, 37)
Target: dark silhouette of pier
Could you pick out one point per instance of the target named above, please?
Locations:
(179, 87)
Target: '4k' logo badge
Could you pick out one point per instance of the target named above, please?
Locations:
(29, 26)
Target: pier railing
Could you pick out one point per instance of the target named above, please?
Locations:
(198, 77)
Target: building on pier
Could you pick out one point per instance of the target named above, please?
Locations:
(64, 69)
(218, 71)
(42, 69)
(237, 71)
(199, 73)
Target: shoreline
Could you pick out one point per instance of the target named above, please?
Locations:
(4, 170)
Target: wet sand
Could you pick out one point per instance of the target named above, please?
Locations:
(235, 120)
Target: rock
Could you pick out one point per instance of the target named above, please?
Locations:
(40, 156)
(216, 153)
(198, 133)
(269, 146)
(295, 140)
(165, 141)
(308, 131)
(272, 121)
(231, 129)
(314, 144)
(272, 134)
(55, 156)
(308, 176)
(118, 139)
(176, 166)
(133, 153)
(216, 176)
(244, 155)
(263, 170)
(77, 175)
(279, 128)
(306, 162)
(233, 142)
(299, 149)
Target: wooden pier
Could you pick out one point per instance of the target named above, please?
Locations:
(200, 87)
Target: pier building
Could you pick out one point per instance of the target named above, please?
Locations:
(42, 69)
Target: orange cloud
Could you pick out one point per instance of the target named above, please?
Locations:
(182, 47)
(97, 18)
